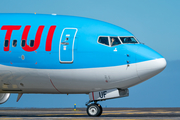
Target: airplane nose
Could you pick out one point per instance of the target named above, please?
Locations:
(150, 64)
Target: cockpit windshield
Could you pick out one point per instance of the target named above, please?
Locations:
(128, 40)
(112, 41)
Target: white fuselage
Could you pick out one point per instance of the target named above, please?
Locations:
(26, 80)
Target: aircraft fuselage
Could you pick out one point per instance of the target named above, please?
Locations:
(64, 54)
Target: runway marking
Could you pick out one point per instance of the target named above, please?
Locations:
(128, 113)
(177, 112)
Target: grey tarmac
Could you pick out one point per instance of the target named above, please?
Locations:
(80, 114)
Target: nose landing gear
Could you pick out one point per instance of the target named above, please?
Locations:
(94, 109)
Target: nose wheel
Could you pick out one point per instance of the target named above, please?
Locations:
(94, 110)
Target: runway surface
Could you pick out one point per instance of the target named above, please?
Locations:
(80, 114)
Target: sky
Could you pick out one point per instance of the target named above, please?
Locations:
(156, 23)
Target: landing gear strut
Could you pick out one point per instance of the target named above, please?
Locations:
(94, 109)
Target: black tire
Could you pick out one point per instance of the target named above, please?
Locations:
(101, 110)
(94, 110)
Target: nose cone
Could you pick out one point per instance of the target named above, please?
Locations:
(149, 63)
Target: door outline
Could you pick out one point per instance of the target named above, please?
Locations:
(72, 46)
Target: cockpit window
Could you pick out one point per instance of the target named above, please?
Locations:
(128, 40)
(114, 41)
(104, 40)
